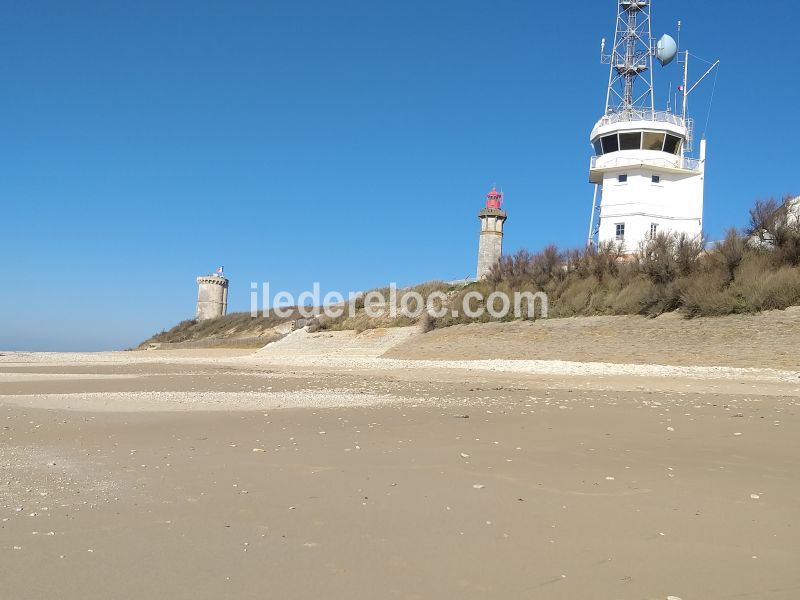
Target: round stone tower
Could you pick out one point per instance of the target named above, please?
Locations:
(490, 247)
(212, 296)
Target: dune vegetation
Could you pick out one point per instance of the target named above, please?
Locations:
(751, 270)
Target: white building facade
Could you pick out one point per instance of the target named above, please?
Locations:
(645, 182)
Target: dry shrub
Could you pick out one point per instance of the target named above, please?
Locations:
(731, 251)
(688, 251)
(427, 288)
(601, 261)
(231, 325)
(425, 323)
(765, 218)
(182, 332)
(546, 266)
(634, 298)
(777, 227)
(575, 298)
(707, 294)
(781, 290)
(760, 288)
(657, 258)
(523, 267)
(670, 272)
(787, 244)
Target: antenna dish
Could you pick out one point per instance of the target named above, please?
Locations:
(666, 50)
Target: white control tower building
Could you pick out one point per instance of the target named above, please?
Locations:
(645, 180)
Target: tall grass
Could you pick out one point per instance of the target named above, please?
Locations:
(230, 326)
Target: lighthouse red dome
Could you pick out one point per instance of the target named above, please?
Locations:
(494, 198)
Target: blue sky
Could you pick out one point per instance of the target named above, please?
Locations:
(350, 142)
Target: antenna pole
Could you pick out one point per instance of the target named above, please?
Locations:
(685, 83)
(650, 53)
(669, 98)
(711, 68)
(590, 237)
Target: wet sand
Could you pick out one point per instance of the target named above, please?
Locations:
(234, 475)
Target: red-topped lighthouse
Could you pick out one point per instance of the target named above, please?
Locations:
(490, 246)
(494, 198)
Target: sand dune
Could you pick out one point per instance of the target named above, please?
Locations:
(769, 340)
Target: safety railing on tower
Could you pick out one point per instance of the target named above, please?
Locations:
(659, 116)
(684, 163)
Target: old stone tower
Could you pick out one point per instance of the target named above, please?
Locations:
(212, 296)
(490, 247)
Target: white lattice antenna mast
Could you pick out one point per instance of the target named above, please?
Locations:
(630, 78)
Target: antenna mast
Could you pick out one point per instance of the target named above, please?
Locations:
(630, 78)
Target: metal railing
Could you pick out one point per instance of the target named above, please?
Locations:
(685, 163)
(659, 116)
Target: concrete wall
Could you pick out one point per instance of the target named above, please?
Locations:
(212, 297)
(675, 204)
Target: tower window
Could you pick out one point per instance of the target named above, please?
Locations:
(630, 141)
(653, 229)
(610, 143)
(653, 141)
(672, 145)
(622, 178)
(656, 179)
(620, 231)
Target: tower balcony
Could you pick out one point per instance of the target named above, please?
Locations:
(634, 114)
(599, 165)
(492, 212)
(634, 120)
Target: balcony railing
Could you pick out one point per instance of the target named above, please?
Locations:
(660, 116)
(685, 163)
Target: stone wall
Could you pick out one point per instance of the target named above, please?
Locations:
(212, 297)
(490, 247)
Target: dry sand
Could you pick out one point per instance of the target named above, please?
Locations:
(770, 339)
(319, 469)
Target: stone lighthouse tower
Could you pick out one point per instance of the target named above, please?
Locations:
(490, 247)
(212, 296)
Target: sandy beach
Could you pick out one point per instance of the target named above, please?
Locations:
(370, 466)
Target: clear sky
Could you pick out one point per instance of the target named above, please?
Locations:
(350, 142)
